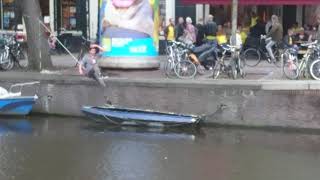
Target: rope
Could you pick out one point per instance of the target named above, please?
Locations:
(51, 33)
(73, 57)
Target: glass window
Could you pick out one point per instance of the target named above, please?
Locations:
(9, 15)
(68, 8)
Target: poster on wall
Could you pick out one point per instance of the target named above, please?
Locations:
(129, 28)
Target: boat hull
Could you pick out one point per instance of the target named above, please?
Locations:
(124, 116)
(18, 106)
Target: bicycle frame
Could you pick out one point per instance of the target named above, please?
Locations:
(303, 64)
(262, 48)
(4, 53)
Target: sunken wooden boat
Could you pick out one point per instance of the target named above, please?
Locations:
(126, 116)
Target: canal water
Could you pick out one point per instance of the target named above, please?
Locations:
(55, 148)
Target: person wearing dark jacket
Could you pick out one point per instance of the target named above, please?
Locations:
(211, 29)
(257, 30)
(275, 34)
(201, 32)
(179, 29)
(288, 41)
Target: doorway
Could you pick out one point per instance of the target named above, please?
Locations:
(289, 16)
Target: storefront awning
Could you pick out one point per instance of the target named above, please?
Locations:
(254, 2)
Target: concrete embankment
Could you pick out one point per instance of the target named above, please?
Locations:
(249, 103)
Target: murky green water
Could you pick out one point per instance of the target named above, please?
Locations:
(71, 149)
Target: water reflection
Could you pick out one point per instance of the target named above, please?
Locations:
(73, 149)
(148, 133)
(140, 153)
(15, 126)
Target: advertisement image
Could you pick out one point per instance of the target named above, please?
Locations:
(129, 27)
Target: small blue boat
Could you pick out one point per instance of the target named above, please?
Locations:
(125, 116)
(12, 103)
(17, 105)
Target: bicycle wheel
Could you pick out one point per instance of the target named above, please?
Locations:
(7, 63)
(168, 50)
(315, 69)
(169, 69)
(22, 59)
(233, 69)
(291, 69)
(278, 60)
(185, 69)
(251, 57)
(21, 55)
(240, 67)
(216, 70)
(242, 73)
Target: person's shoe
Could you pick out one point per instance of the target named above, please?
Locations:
(201, 69)
(269, 60)
(105, 77)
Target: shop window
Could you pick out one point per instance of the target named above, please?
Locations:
(9, 16)
(69, 21)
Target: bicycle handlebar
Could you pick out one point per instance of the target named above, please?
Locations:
(309, 44)
(235, 47)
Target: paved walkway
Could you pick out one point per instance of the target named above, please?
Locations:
(264, 71)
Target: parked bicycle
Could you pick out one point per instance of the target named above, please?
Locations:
(184, 68)
(234, 68)
(294, 68)
(172, 51)
(315, 63)
(315, 69)
(178, 63)
(253, 56)
(6, 63)
(12, 54)
(187, 60)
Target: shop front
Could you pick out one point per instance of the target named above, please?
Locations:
(10, 16)
(63, 16)
(290, 11)
(70, 16)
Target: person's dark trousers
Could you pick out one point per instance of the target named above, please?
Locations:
(162, 47)
(212, 51)
(95, 74)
